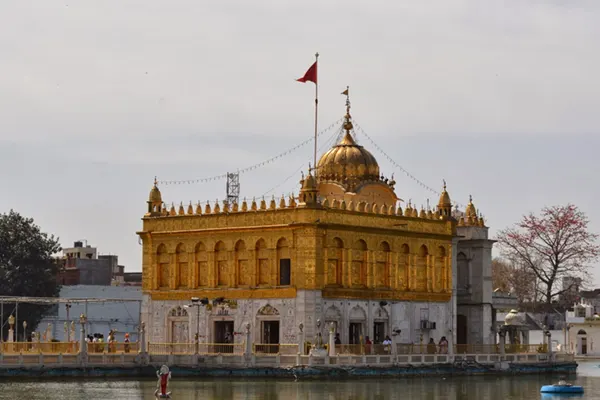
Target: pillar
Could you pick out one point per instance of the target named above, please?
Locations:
(502, 335)
(301, 339)
(332, 340)
(82, 342)
(346, 267)
(142, 338)
(248, 342)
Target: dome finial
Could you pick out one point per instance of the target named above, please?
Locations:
(155, 181)
(347, 119)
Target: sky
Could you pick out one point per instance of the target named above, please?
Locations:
(499, 98)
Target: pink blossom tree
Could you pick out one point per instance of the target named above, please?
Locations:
(553, 245)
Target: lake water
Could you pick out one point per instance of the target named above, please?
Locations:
(435, 388)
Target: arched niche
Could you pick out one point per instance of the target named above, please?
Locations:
(181, 258)
(221, 259)
(440, 269)
(462, 267)
(359, 264)
(333, 315)
(421, 269)
(201, 265)
(382, 265)
(242, 263)
(262, 263)
(403, 274)
(163, 261)
(284, 262)
(335, 254)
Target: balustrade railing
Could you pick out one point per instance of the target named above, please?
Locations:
(261, 348)
(274, 349)
(196, 348)
(40, 347)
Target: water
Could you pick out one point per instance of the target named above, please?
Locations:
(435, 388)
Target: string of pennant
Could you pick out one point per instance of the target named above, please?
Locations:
(325, 144)
(255, 166)
(395, 164)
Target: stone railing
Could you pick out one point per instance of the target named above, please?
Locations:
(250, 354)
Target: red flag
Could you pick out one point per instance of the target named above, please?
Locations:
(310, 75)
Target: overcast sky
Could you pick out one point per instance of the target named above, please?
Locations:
(500, 98)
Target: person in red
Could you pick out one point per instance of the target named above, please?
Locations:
(163, 380)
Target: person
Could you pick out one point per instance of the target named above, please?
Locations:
(126, 346)
(443, 345)
(337, 339)
(387, 344)
(368, 344)
(431, 346)
(163, 376)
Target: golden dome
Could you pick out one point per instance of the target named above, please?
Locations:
(348, 164)
(471, 211)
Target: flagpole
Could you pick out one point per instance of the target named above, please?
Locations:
(316, 114)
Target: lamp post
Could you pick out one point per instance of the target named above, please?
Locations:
(82, 343)
(68, 307)
(197, 302)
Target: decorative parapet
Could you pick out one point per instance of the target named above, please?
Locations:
(289, 203)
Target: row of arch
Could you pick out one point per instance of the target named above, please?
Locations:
(353, 266)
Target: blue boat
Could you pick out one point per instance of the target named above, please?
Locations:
(562, 387)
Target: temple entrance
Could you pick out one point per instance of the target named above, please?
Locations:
(461, 329)
(355, 333)
(270, 336)
(224, 335)
(178, 327)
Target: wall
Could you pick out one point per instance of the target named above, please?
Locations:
(114, 314)
(306, 308)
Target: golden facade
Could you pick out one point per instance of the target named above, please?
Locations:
(332, 239)
(344, 239)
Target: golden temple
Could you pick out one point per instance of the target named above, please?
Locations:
(343, 238)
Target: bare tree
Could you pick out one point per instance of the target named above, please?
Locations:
(515, 279)
(552, 246)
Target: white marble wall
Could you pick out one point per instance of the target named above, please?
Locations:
(306, 308)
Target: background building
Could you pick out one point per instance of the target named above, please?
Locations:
(81, 265)
(106, 307)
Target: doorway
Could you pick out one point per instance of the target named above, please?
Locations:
(355, 332)
(461, 329)
(223, 336)
(378, 332)
(270, 337)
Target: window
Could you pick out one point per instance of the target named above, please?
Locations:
(581, 312)
(285, 265)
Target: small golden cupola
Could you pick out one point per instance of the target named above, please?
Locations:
(445, 205)
(155, 203)
(308, 196)
(348, 168)
(471, 213)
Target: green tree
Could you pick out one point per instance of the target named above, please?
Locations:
(27, 268)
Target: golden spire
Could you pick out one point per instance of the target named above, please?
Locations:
(471, 211)
(154, 201)
(445, 205)
(347, 119)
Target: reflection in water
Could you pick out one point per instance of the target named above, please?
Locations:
(434, 388)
